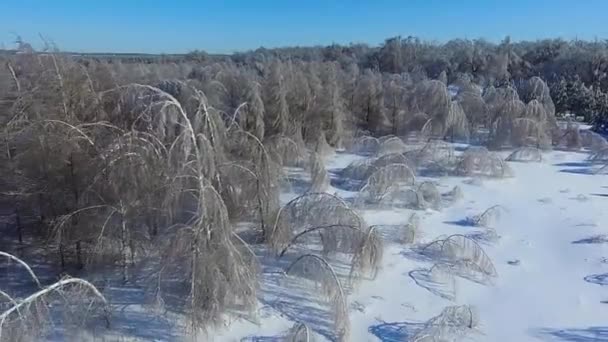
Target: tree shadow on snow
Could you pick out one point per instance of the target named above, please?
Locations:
(424, 279)
(599, 279)
(579, 171)
(263, 339)
(462, 223)
(574, 164)
(595, 239)
(396, 331)
(590, 334)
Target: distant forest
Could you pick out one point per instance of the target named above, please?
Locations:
(576, 70)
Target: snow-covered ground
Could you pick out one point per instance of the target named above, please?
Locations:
(549, 258)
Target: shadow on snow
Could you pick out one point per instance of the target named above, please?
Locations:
(590, 334)
(396, 331)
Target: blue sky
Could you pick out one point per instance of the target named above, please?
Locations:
(154, 26)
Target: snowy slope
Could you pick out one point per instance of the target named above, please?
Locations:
(551, 291)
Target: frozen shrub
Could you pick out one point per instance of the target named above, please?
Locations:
(286, 151)
(317, 270)
(318, 174)
(403, 197)
(312, 211)
(386, 180)
(385, 138)
(474, 107)
(367, 256)
(391, 158)
(300, 332)
(362, 169)
(571, 137)
(365, 145)
(435, 155)
(411, 231)
(452, 324)
(529, 132)
(29, 318)
(432, 97)
(502, 120)
(358, 170)
(465, 257)
(593, 141)
(391, 146)
(438, 280)
(429, 196)
(457, 125)
(453, 195)
(488, 217)
(526, 154)
(416, 122)
(601, 156)
(478, 161)
(321, 146)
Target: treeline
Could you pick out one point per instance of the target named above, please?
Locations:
(577, 70)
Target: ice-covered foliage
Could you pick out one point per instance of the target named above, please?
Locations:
(600, 156)
(593, 141)
(312, 211)
(362, 169)
(318, 271)
(385, 181)
(453, 195)
(526, 154)
(478, 161)
(365, 145)
(318, 174)
(488, 217)
(32, 317)
(429, 196)
(452, 324)
(569, 138)
(411, 230)
(464, 256)
(436, 155)
(392, 145)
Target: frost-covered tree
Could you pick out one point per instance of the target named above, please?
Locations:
(369, 98)
(277, 119)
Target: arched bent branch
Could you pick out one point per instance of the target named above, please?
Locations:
(24, 264)
(47, 290)
(311, 194)
(313, 229)
(328, 267)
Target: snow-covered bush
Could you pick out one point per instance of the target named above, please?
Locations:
(452, 324)
(411, 230)
(392, 145)
(600, 156)
(453, 195)
(73, 302)
(362, 169)
(526, 154)
(429, 196)
(593, 141)
(365, 145)
(318, 174)
(385, 181)
(320, 272)
(312, 211)
(478, 161)
(465, 257)
(436, 155)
